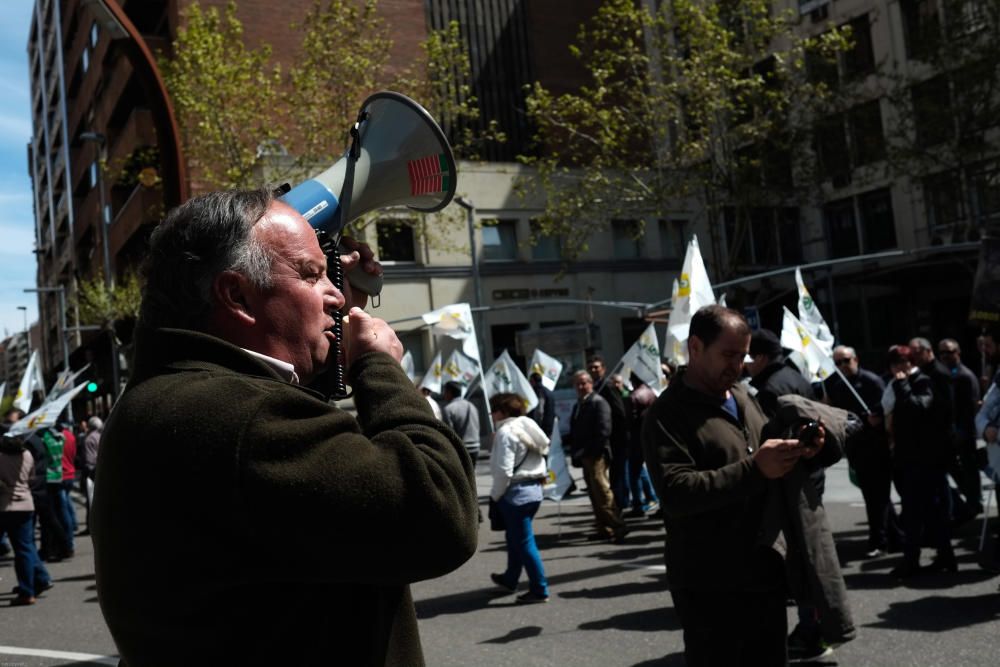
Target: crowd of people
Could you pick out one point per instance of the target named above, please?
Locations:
(235, 327)
(38, 473)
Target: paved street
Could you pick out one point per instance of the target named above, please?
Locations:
(609, 604)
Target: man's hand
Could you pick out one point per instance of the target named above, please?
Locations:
(364, 333)
(900, 375)
(361, 257)
(776, 457)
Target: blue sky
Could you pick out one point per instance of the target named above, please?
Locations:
(17, 236)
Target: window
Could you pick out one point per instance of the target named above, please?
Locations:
(93, 174)
(672, 241)
(841, 228)
(877, 221)
(395, 241)
(987, 184)
(943, 199)
(865, 121)
(544, 247)
(860, 59)
(499, 240)
(504, 337)
(95, 34)
(625, 239)
(932, 112)
(770, 236)
(831, 145)
(85, 60)
(921, 27)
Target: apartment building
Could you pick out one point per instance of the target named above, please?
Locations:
(92, 106)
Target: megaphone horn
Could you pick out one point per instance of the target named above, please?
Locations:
(398, 157)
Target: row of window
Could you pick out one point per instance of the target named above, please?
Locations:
(500, 241)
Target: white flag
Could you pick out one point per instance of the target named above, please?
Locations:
(505, 377)
(432, 378)
(810, 316)
(548, 367)
(796, 337)
(643, 359)
(3, 389)
(455, 321)
(29, 382)
(461, 369)
(559, 479)
(694, 291)
(407, 363)
(46, 415)
(65, 382)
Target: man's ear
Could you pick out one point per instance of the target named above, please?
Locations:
(231, 292)
(695, 347)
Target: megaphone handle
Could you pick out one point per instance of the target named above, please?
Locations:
(365, 282)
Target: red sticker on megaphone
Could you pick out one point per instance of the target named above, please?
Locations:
(428, 174)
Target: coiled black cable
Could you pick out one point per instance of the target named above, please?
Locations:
(336, 383)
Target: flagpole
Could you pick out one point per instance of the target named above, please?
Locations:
(604, 380)
(853, 391)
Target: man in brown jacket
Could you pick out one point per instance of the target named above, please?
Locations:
(296, 528)
(702, 440)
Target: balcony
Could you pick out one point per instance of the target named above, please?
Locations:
(144, 206)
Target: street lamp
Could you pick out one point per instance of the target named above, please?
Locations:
(61, 291)
(109, 279)
(27, 334)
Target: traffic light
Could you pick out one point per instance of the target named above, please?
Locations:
(91, 387)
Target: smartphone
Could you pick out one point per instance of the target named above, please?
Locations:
(807, 436)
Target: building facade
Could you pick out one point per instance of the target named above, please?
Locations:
(97, 161)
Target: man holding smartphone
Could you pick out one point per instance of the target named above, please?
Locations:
(727, 546)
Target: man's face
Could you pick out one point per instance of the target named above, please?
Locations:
(846, 362)
(596, 369)
(948, 352)
(759, 363)
(921, 354)
(293, 317)
(719, 365)
(584, 386)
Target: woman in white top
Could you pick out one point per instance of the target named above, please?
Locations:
(517, 464)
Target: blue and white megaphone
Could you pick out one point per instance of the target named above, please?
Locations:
(398, 157)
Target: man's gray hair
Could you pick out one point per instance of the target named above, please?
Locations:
(921, 344)
(197, 241)
(581, 373)
(95, 424)
(847, 349)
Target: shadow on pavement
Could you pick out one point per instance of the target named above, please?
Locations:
(646, 620)
(527, 632)
(657, 585)
(672, 660)
(938, 613)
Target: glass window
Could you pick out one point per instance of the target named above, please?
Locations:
(625, 239)
(93, 174)
(763, 236)
(395, 241)
(920, 26)
(866, 133)
(790, 235)
(831, 144)
(988, 191)
(932, 111)
(841, 228)
(860, 59)
(544, 247)
(85, 60)
(95, 33)
(499, 240)
(672, 241)
(877, 220)
(737, 239)
(943, 199)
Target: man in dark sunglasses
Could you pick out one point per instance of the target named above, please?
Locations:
(868, 453)
(965, 386)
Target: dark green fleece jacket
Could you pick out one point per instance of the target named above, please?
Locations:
(242, 520)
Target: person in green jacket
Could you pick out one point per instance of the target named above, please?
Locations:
(240, 518)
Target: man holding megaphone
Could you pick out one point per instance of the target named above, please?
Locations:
(295, 528)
